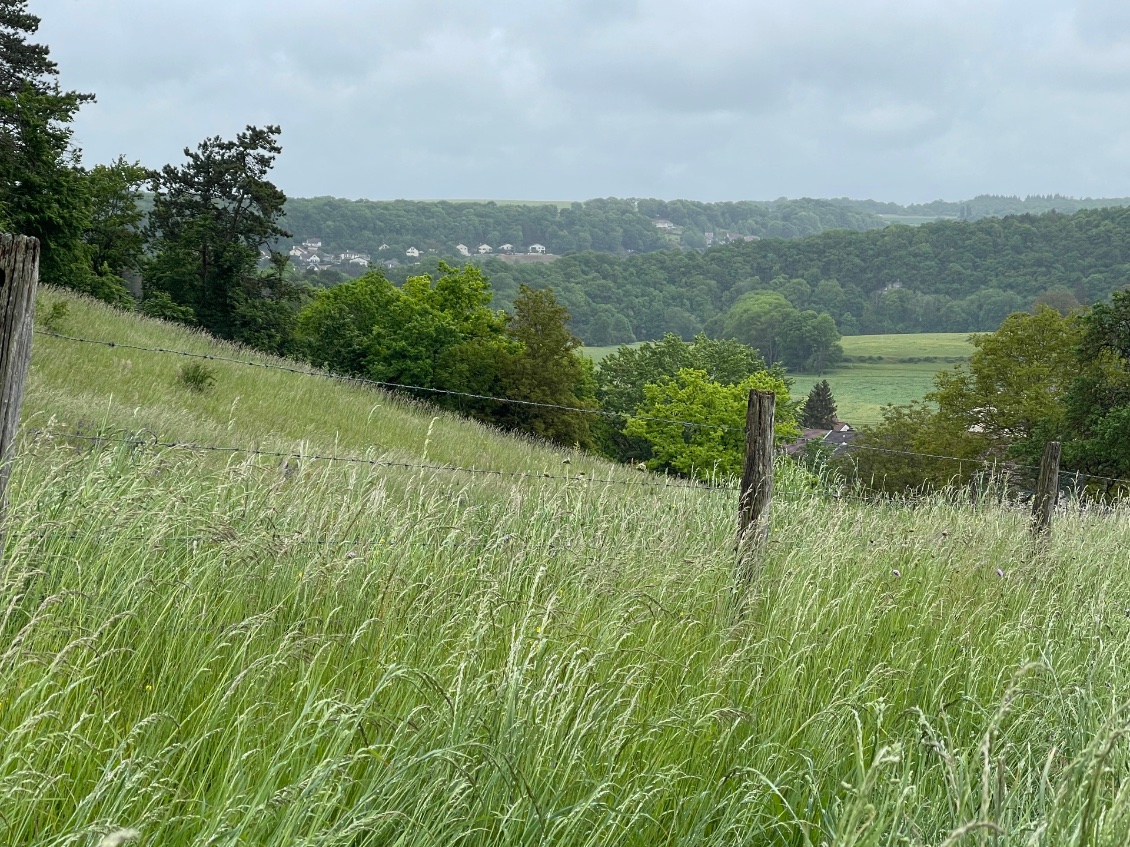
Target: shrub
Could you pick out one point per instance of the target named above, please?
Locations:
(197, 377)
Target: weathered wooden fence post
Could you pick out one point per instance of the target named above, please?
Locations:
(1047, 490)
(19, 275)
(757, 482)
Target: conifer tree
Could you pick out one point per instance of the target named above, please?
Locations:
(819, 410)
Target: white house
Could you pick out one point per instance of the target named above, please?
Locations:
(663, 223)
(350, 255)
(312, 243)
(383, 247)
(413, 252)
(506, 248)
(537, 248)
(296, 252)
(484, 249)
(359, 260)
(462, 250)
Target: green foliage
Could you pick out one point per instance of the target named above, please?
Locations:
(547, 369)
(819, 409)
(610, 225)
(1006, 403)
(114, 231)
(903, 453)
(950, 276)
(715, 445)
(1097, 406)
(210, 217)
(197, 377)
(768, 322)
(622, 375)
(158, 304)
(1016, 379)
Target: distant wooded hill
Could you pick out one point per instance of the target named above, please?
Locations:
(606, 226)
(951, 276)
(983, 206)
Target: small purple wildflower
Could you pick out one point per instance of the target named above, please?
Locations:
(1000, 573)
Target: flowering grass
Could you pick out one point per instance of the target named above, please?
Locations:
(217, 650)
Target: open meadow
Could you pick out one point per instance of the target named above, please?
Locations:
(235, 649)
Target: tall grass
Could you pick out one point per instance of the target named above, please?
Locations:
(229, 652)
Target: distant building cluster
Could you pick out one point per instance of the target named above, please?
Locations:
(310, 255)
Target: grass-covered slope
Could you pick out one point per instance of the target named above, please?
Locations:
(228, 650)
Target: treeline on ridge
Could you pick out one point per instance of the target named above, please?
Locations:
(984, 206)
(949, 276)
(608, 225)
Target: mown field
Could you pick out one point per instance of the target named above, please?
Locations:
(862, 388)
(226, 649)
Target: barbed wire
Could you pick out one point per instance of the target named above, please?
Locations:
(389, 386)
(1003, 464)
(602, 412)
(388, 463)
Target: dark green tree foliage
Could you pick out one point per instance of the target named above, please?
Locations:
(210, 216)
(608, 225)
(43, 190)
(1098, 402)
(22, 63)
(951, 276)
(114, 229)
(819, 410)
(548, 369)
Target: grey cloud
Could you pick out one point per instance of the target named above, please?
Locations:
(577, 98)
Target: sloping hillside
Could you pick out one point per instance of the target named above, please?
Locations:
(211, 648)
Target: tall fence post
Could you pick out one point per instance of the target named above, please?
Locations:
(1047, 490)
(19, 275)
(757, 481)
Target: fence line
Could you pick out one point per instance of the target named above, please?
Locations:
(389, 386)
(602, 412)
(1004, 464)
(386, 463)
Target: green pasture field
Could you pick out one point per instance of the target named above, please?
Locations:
(911, 345)
(861, 389)
(227, 649)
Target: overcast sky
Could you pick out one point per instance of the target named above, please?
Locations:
(905, 100)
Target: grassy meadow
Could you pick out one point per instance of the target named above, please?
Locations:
(232, 650)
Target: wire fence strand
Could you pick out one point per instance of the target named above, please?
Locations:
(668, 483)
(388, 386)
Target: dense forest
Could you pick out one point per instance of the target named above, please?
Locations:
(950, 276)
(984, 206)
(603, 225)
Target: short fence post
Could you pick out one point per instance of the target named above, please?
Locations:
(757, 481)
(1047, 489)
(19, 275)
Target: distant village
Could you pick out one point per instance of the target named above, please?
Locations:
(309, 255)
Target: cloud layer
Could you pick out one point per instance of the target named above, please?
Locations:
(570, 99)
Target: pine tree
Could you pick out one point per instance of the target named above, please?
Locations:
(819, 410)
